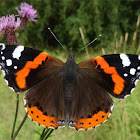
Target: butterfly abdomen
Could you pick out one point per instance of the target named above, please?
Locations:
(68, 99)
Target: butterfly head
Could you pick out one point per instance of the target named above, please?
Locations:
(71, 57)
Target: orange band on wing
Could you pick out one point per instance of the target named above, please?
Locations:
(92, 122)
(117, 79)
(38, 116)
(23, 73)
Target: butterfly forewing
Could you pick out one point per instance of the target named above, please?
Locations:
(24, 67)
(116, 73)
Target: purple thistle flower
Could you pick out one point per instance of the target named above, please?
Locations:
(8, 25)
(27, 12)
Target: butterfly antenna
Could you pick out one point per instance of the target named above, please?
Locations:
(57, 39)
(88, 44)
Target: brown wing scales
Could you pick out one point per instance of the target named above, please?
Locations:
(91, 105)
(44, 102)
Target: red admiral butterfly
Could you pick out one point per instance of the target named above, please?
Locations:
(60, 93)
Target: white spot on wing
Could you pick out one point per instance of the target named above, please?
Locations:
(8, 62)
(15, 67)
(3, 58)
(125, 74)
(125, 60)
(132, 71)
(138, 68)
(17, 52)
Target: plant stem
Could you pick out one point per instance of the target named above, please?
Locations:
(42, 135)
(21, 124)
(49, 133)
(11, 37)
(46, 134)
(17, 105)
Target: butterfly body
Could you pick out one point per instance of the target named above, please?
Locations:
(60, 93)
(69, 79)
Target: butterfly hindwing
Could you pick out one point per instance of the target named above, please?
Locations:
(116, 73)
(91, 104)
(44, 102)
(24, 67)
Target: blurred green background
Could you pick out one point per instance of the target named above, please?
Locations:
(76, 23)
